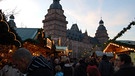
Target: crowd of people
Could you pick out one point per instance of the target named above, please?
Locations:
(25, 64)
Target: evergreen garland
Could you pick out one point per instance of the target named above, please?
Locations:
(119, 35)
(123, 31)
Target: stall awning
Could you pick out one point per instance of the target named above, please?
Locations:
(61, 48)
(100, 53)
(117, 48)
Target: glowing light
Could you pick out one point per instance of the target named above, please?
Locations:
(10, 51)
(9, 29)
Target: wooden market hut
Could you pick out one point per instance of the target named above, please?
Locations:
(9, 40)
(121, 46)
(35, 41)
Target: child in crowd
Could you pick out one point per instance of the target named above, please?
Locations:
(58, 71)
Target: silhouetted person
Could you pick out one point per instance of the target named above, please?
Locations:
(58, 71)
(68, 69)
(92, 69)
(125, 66)
(80, 68)
(105, 67)
(9, 70)
(30, 65)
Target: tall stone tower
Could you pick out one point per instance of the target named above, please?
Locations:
(101, 33)
(55, 24)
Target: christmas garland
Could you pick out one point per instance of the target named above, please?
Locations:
(119, 35)
(123, 31)
(7, 35)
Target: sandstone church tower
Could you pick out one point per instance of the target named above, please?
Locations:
(55, 24)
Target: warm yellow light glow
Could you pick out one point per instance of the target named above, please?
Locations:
(9, 29)
(49, 43)
(2, 55)
(10, 51)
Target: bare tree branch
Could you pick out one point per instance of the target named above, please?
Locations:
(9, 12)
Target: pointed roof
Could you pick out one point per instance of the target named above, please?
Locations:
(101, 22)
(11, 21)
(12, 17)
(86, 32)
(75, 27)
(56, 5)
(101, 25)
(27, 33)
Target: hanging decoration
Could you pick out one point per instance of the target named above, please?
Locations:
(123, 31)
(7, 35)
(119, 35)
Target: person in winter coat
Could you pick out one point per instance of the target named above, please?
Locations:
(30, 65)
(9, 70)
(92, 69)
(68, 69)
(125, 66)
(80, 68)
(58, 71)
(105, 67)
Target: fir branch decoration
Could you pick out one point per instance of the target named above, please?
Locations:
(123, 31)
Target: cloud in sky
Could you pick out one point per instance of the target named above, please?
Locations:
(86, 13)
(88, 19)
(115, 20)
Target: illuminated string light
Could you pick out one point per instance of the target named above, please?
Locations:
(116, 45)
(2, 20)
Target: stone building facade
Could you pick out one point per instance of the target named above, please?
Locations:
(55, 25)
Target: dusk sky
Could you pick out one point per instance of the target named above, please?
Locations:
(116, 14)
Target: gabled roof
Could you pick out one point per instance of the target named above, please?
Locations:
(27, 33)
(75, 27)
(120, 46)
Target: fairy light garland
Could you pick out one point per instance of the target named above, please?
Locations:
(119, 46)
(8, 29)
